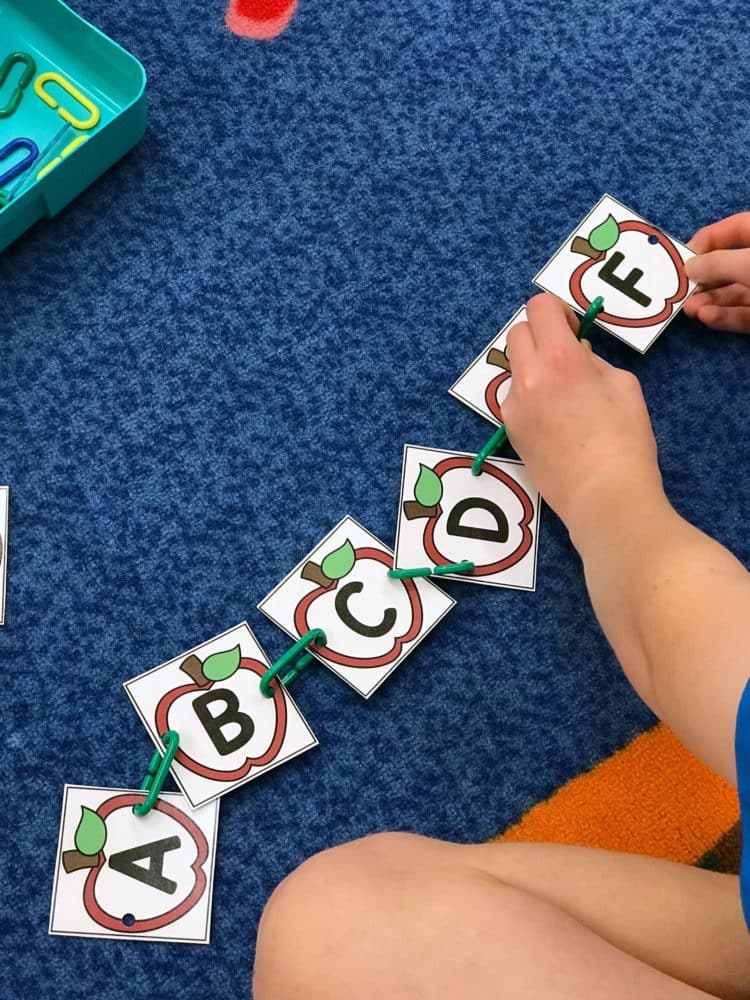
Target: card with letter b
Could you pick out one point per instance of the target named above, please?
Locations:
(229, 731)
(637, 269)
(118, 875)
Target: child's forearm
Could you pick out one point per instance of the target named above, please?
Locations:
(675, 605)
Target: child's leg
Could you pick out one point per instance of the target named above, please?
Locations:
(397, 916)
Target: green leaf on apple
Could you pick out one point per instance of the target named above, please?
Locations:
(91, 832)
(338, 563)
(221, 666)
(605, 235)
(428, 489)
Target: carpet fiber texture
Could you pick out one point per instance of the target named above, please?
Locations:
(220, 349)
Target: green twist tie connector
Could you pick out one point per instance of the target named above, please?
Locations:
(157, 772)
(298, 652)
(494, 444)
(407, 574)
(589, 316)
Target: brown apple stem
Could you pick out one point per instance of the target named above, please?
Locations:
(498, 358)
(312, 572)
(193, 667)
(580, 245)
(414, 509)
(74, 860)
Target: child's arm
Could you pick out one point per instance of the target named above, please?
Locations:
(723, 269)
(674, 604)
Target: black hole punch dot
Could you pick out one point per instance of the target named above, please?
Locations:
(653, 238)
(128, 919)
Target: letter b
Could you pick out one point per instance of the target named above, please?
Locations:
(214, 724)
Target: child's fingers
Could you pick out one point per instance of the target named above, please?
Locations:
(551, 321)
(720, 267)
(726, 295)
(691, 306)
(520, 348)
(731, 232)
(733, 318)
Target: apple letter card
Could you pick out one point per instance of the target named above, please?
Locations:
(447, 515)
(229, 731)
(635, 267)
(371, 622)
(146, 878)
(4, 496)
(486, 382)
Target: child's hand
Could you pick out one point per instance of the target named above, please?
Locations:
(580, 425)
(723, 269)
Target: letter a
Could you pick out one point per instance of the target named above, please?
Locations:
(124, 863)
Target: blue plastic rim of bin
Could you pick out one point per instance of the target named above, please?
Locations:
(61, 42)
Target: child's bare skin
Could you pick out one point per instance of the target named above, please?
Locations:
(398, 916)
(723, 269)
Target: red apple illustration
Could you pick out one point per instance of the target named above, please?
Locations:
(90, 838)
(601, 240)
(220, 667)
(259, 19)
(499, 359)
(428, 492)
(328, 577)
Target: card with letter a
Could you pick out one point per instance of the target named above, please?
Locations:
(230, 733)
(371, 622)
(139, 878)
(447, 515)
(633, 265)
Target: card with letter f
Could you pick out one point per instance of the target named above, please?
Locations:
(637, 269)
(229, 731)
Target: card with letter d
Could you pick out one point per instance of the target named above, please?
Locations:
(229, 731)
(119, 875)
(448, 515)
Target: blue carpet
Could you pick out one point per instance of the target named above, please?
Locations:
(219, 350)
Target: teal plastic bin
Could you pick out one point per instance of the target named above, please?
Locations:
(61, 60)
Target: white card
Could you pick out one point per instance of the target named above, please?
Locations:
(447, 515)
(4, 498)
(637, 268)
(142, 878)
(230, 733)
(371, 621)
(486, 382)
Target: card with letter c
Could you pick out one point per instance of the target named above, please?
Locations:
(371, 621)
(137, 878)
(447, 515)
(230, 733)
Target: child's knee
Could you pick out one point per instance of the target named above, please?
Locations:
(315, 910)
